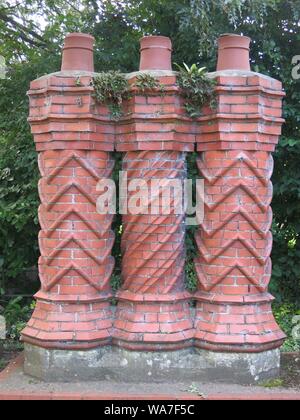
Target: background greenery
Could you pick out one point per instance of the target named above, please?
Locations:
(31, 37)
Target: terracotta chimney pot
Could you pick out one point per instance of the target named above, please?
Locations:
(156, 53)
(78, 52)
(233, 52)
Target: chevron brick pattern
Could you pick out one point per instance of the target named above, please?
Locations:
(234, 240)
(73, 306)
(75, 243)
(153, 307)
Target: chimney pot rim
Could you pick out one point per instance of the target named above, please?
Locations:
(236, 41)
(79, 34)
(155, 41)
(79, 40)
(234, 35)
(155, 37)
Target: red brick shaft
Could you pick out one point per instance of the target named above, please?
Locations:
(234, 243)
(234, 240)
(153, 311)
(75, 243)
(74, 139)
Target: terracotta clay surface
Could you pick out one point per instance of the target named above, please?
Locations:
(78, 52)
(233, 53)
(156, 53)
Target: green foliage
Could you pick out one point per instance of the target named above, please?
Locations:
(116, 279)
(194, 389)
(18, 206)
(116, 282)
(197, 89)
(285, 284)
(111, 89)
(273, 383)
(191, 280)
(78, 82)
(17, 314)
(146, 83)
(284, 315)
(205, 20)
(11, 346)
(3, 364)
(19, 174)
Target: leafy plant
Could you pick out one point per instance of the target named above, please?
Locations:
(194, 389)
(285, 285)
(284, 315)
(197, 89)
(19, 177)
(273, 383)
(78, 82)
(111, 89)
(191, 280)
(116, 282)
(145, 82)
(17, 314)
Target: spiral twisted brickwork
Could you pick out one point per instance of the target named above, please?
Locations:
(153, 245)
(153, 305)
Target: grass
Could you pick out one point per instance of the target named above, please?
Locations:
(273, 383)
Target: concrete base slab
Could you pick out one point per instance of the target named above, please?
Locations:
(115, 364)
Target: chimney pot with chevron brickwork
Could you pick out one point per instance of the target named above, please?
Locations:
(74, 144)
